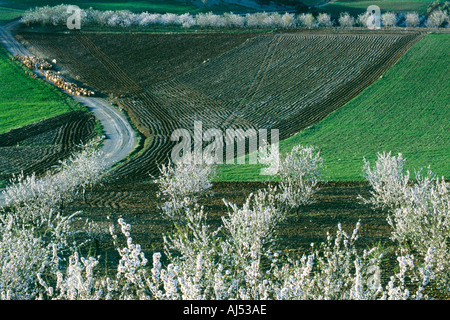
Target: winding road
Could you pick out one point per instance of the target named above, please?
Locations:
(120, 137)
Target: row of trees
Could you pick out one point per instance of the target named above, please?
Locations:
(58, 15)
(240, 259)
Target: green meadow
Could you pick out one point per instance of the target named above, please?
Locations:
(406, 111)
(8, 14)
(357, 7)
(158, 6)
(24, 100)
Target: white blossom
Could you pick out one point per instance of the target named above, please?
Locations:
(324, 20)
(389, 19)
(299, 173)
(437, 18)
(346, 20)
(412, 19)
(307, 20)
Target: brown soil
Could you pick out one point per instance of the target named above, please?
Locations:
(137, 204)
(37, 147)
(142, 70)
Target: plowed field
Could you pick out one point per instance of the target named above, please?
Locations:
(138, 204)
(285, 81)
(37, 147)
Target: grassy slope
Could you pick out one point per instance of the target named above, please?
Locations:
(181, 6)
(159, 6)
(360, 6)
(8, 14)
(139, 5)
(406, 111)
(24, 100)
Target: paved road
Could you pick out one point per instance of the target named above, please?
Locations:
(120, 138)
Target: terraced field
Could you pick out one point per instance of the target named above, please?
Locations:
(286, 81)
(270, 79)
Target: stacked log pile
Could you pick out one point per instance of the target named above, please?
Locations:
(70, 87)
(33, 63)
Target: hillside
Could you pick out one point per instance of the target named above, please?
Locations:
(287, 81)
(405, 111)
(24, 100)
(160, 6)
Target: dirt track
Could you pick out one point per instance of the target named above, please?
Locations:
(119, 135)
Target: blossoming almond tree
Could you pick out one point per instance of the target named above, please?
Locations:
(34, 230)
(307, 20)
(346, 20)
(57, 15)
(238, 260)
(300, 172)
(412, 19)
(437, 18)
(389, 19)
(419, 212)
(324, 20)
(181, 184)
(333, 271)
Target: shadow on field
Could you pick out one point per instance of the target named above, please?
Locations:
(137, 204)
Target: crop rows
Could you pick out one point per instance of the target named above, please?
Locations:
(39, 146)
(405, 112)
(143, 110)
(318, 110)
(270, 79)
(71, 65)
(287, 82)
(280, 81)
(262, 83)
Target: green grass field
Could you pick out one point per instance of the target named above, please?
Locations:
(175, 6)
(24, 100)
(406, 111)
(159, 6)
(357, 7)
(182, 6)
(8, 14)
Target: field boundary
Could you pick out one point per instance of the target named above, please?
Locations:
(348, 90)
(119, 135)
